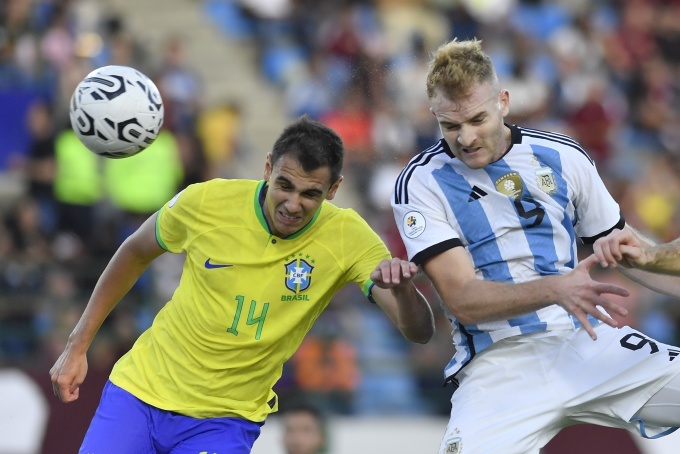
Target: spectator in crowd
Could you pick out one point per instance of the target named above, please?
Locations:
(305, 430)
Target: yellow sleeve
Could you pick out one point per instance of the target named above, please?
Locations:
(366, 249)
(177, 219)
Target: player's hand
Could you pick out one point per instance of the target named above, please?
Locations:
(580, 295)
(620, 247)
(67, 374)
(393, 273)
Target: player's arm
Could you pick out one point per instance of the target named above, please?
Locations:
(473, 301)
(125, 267)
(656, 266)
(396, 295)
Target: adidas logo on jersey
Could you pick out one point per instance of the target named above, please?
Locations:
(672, 354)
(476, 194)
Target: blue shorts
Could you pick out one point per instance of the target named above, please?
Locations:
(124, 424)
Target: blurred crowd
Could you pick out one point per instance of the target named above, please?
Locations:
(607, 73)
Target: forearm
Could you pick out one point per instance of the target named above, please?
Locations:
(664, 258)
(482, 301)
(655, 266)
(666, 284)
(414, 315)
(652, 257)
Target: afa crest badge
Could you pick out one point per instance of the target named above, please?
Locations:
(546, 180)
(454, 446)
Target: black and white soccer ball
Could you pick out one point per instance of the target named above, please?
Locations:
(116, 111)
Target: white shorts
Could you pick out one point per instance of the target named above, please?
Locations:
(519, 393)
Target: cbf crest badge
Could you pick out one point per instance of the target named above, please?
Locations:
(298, 275)
(545, 178)
(510, 184)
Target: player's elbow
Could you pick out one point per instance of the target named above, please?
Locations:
(465, 319)
(422, 335)
(464, 315)
(422, 339)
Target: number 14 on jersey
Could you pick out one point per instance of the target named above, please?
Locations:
(252, 319)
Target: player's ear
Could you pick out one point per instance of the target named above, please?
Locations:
(333, 189)
(268, 165)
(504, 102)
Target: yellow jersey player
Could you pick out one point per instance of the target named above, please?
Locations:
(263, 260)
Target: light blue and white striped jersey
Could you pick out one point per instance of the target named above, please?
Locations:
(517, 217)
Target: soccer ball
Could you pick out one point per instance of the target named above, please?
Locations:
(116, 111)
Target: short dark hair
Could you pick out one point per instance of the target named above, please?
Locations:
(313, 144)
(319, 415)
(304, 407)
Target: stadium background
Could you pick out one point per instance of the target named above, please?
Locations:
(232, 74)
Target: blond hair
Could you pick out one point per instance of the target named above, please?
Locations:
(457, 66)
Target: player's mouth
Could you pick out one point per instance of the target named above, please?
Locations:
(287, 219)
(470, 150)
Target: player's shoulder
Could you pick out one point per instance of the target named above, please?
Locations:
(428, 159)
(334, 222)
(419, 169)
(229, 184)
(336, 225)
(565, 145)
(217, 195)
(332, 214)
(222, 189)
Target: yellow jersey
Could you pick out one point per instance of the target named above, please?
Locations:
(244, 302)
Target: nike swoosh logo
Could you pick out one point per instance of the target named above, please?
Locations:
(214, 265)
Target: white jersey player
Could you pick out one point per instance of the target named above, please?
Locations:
(493, 213)
(516, 217)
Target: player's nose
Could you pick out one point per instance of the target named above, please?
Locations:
(466, 136)
(293, 204)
